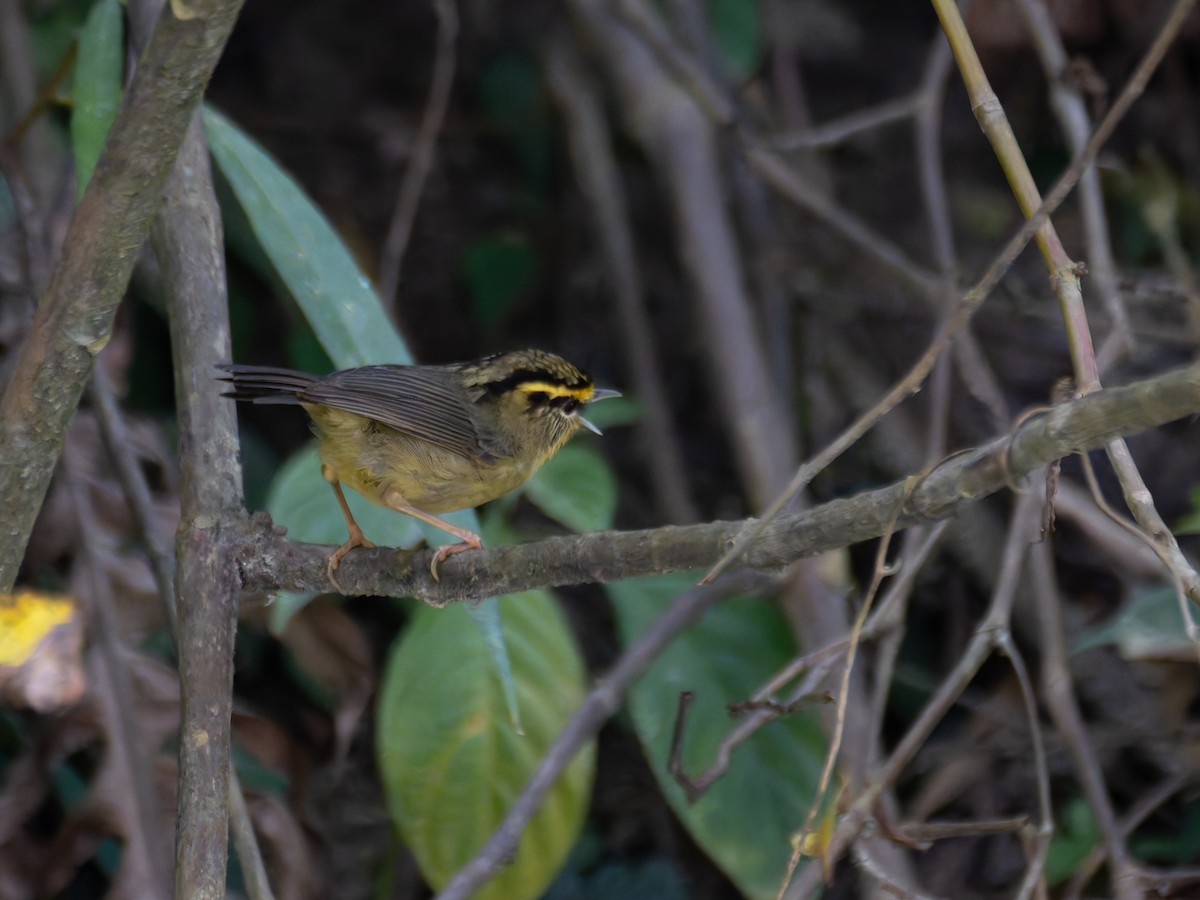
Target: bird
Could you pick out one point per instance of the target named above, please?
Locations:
(427, 439)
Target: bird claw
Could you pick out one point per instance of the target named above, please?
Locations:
(335, 560)
(448, 550)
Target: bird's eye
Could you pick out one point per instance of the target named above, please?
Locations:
(570, 406)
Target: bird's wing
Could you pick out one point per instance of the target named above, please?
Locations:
(424, 402)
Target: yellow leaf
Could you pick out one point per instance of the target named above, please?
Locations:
(26, 617)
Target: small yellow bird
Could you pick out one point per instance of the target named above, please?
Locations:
(431, 439)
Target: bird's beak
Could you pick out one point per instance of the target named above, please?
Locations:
(597, 394)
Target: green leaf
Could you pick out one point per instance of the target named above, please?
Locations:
(575, 488)
(746, 820)
(332, 292)
(738, 36)
(1148, 627)
(257, 775)
(96, 94)
(1073, 840)
(450, 760)
(499, 269)
(1178, 844)
(1190, 523)
(340, 305)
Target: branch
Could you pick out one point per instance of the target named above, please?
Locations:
(187, 241)
(74, 320)
(271, 563)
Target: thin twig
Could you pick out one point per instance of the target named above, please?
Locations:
(840, 130)
(1142, 807)
(1189, 622)
(1071, 110)
(126, 747)
(421, 161)
(137, 492)
(878, 572)
(1060, 702)
(1045, 828)
(990, 632)
(712, 97)
(975, 297)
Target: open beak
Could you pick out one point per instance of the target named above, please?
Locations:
(597, 394)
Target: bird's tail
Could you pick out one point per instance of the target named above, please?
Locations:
(266, 384)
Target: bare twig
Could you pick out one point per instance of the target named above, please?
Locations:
(137, 492)
(848, 126)
(990, 634)
(126, 748)
(1141, 809)
(421, 161)
(878, 572)
(1071, 110)
(973, 298)
(1060, 701)
(1185, 612)
(1045, 828)
(711, 96)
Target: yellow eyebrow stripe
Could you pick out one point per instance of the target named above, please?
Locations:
(550, 389)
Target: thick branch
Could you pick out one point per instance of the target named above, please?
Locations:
(270, 563)
(187, 241)
(75, 318)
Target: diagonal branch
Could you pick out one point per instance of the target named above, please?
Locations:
(74, 320)
(271, 563)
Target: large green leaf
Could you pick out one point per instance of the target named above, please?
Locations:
(333, 293)
(97, 89)
(746, 820)
(1149, 626)
(450, 759)
(340, 305)
(576, 488)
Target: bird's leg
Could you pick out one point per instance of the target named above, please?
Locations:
(470, 540)
(357, 538)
